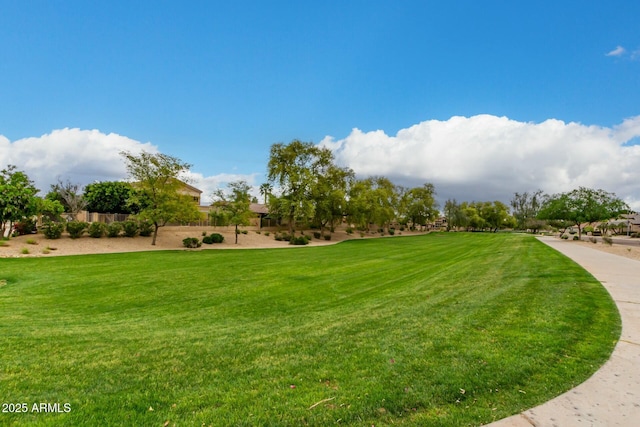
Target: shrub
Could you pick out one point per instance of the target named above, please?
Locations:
(204, 234)
(300, 240)
(317, 234)
(349, 230)
(52, 230)
(191, 242)
(97, 229)
(392, 231)
(576, 237)
(130, 228)
(207, 240)
(266, 233)
(608, 240)
(593, 240)
(27, 226)
(31, 242)
(217, 238)
(76, 228)
(564, 236)
(588, 229)
(24, 251)
(114, 229)
(244, 231)
(327, 237)
(145, 228)
(635, 235)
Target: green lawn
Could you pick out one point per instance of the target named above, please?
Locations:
(448, 329)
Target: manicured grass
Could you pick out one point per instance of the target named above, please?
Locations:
(445, 329)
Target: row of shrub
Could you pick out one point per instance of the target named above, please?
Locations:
(76, 229)
(194, 242)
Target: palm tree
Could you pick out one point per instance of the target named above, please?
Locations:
(265, 191)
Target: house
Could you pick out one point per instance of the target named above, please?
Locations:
(191, 191)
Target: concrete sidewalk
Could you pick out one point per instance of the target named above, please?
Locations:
(611, 397)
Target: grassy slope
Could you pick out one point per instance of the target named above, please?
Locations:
(445, 329)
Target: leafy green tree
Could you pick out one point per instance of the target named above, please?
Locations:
(456, 217)
(236, 204)
(329, 196)
(495, 215)
(295, 169)
(525, 207)
(583, 205)
(471, 211)
(374, 200)
(419, 205)
(17, 198)
(156, 181)
(109, 197)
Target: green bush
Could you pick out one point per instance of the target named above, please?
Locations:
(26, 226)
(349, 230)
(317, 234)
(300, 240)
(76, 228)
(576, 237)
(145, 228)
(392, 231)
(207, 240)
(266, 233)
(565, 237)
(327, 237)
(114, 229)
(130, 228)
(244, 231)
(97, 229)
(52, 230)
(588, 229)
(217, 238)
(191, 242)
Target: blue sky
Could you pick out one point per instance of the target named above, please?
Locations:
(216, 83)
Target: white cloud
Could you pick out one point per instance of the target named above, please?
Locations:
(82, 156)
(618, 51)
(85, 156)
(486, 157)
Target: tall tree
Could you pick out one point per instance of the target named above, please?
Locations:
(419, 205)
(455, 215)
(583, 205)
(156, 181)
(295, 169)
(525, 207)
(265, 191)
(329, 196)
(17, 198)
(236, 203)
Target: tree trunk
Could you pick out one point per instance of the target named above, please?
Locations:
(155, 233)
(236, 234)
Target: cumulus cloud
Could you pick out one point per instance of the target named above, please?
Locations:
(618, 51)
(82, 156)
(486, 157)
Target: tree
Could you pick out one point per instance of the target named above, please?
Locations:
(455, 215)
(236, 204)
(329, 196)
(583, 205)
(17, 198)
(495, 215)
(419, 205)
(525, 209)
(265, 191)
(109, 197)
(156, 184)
(70, 193)
(295, 169)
